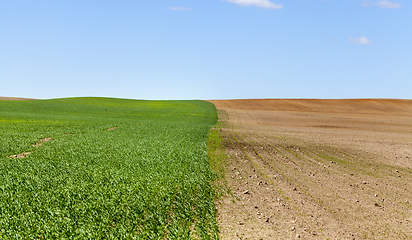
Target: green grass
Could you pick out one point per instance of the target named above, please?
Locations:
(148, 179)
(216, 151)
(218, 160)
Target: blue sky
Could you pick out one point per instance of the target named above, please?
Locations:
(214, 49)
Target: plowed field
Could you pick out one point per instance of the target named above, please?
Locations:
(12, 98)
(317, 169)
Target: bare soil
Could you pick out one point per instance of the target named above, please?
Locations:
(20, 99)
(36, 145)
(317, 169)
(20, 155)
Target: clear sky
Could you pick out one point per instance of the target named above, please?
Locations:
(210, 49)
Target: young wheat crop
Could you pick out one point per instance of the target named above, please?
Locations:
(113, 169)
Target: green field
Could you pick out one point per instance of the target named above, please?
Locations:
(148, 178)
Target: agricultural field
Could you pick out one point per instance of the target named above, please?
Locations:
(99, 168)
(317, 169)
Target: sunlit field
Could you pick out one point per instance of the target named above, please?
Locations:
(94, 168)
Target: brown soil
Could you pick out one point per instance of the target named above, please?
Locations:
(41, 142)
(20, 155)
(21, 99)
(26, 154)
(317, 169)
